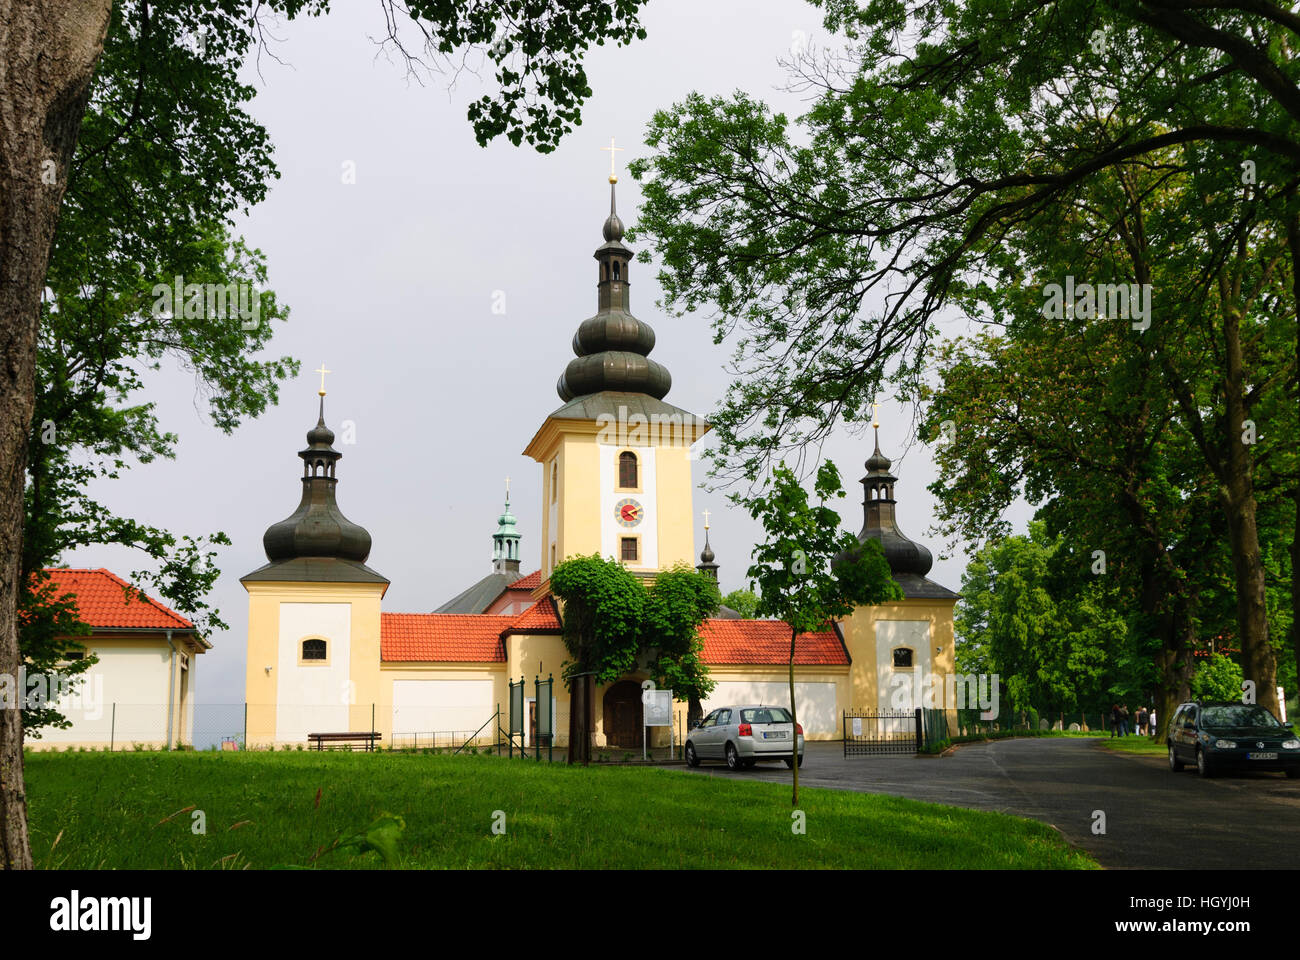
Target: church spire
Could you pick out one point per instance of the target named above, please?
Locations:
(318, 529)
(505, 542)
(879, 522)
(706, 565)
(612, 348)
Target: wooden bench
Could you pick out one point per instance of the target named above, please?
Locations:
(367, 737)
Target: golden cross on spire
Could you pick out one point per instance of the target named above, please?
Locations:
(507, 488)
(875, 415)
(706, 519)
(613, 177)
(322, 371)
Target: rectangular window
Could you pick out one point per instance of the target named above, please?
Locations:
(630, 554)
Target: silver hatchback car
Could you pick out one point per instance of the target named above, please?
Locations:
(744, 735)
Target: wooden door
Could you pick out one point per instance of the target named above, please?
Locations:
(622, 715)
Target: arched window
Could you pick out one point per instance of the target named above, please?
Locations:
(314, 648)
(902, 657)
(627, 470)
(615, 269)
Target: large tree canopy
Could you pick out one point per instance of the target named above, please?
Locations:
(50, 52)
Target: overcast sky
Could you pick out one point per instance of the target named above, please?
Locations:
(391, 283)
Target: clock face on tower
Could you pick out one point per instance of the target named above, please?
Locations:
(628, 512)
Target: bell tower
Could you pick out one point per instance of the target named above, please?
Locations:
(313, 612)
(615, 458)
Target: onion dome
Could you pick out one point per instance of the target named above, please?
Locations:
(879, 523)
(317, 529)
(706, 565)
(909, 561)
(612, 348)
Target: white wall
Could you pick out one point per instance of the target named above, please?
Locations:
(133, 677)
(815, 700)
(313, 698)
(610, 529)
(891, 634)
(441, 706)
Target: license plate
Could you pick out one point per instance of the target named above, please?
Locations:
(1262, 756)
(774, 736)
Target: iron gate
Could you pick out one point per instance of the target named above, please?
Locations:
(876, 731)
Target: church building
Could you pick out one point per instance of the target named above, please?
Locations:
(324, 656)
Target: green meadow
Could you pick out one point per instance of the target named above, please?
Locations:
(316, 810)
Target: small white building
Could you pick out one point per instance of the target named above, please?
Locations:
(141, 689)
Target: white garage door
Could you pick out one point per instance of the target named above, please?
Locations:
(441, 706)
(816, 701)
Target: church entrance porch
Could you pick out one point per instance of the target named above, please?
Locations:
(622, 716)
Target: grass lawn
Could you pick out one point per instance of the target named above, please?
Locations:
(1136, 745)
(101, 810)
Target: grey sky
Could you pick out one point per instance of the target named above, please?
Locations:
(391, 280)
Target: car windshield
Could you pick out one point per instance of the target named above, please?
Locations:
(764, 715)
(1237, 715)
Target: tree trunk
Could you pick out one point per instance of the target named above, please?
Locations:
(1238, 496)
(794, 723)
(48, 52)
(1293, 244)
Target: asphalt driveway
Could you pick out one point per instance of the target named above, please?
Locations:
(1154, 818)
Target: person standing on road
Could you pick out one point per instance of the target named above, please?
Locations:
(1142, 721)
(1151, 721)
(1123, 720)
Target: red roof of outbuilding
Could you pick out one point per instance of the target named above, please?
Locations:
(454, 637)
(105, 600)
(541, 617)
(768, 641)
(530, 582)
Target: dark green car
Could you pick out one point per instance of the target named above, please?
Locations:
(1218, 736)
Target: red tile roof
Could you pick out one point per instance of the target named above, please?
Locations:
(541, 617)
(768, 641)
(106, 600)
(530, 582)
(444, 637)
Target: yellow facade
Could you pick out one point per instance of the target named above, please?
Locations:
(266, 600)
(575, 514)
(860, 632)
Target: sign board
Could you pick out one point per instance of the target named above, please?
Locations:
(857, 727)
(658, 708)
(517, 707)
(544, 708)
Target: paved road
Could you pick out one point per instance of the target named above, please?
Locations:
(1154, 818)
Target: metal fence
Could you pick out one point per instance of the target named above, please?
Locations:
(239, 726)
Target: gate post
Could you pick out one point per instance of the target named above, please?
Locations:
(920, 729)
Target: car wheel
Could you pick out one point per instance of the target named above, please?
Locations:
(1174, 763)
(733, 758)
(1202, 765)
(691, 759)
